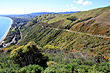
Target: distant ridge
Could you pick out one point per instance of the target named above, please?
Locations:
(32, 15)
(40, 13)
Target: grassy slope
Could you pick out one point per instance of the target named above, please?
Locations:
(94, 21)
(70, 40)
(98, 24)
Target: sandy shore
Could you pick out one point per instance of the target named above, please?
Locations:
(6, 31)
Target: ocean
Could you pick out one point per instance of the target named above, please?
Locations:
(5, 24)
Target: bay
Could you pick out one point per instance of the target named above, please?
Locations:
(5, 24)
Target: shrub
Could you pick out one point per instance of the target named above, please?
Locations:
(50, 47)
(28, 54)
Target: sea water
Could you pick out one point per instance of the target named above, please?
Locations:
(5, 24)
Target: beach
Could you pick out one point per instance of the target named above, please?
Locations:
(6, 31)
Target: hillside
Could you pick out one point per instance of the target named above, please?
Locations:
(92, 21)
(83, 34)
(98, 23)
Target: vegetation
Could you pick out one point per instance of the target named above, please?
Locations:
(66, 40)
(28, 54)
(29, 58)
(31, 69)
(23, 59)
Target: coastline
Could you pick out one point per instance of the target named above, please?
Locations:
(4, 36)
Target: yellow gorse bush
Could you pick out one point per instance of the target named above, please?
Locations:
(16, 52)
(50, 47)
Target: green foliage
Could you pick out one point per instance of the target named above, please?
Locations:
(72, 18)
(60, 62)
(58, 69)
(63, 61)
(28, 54)
(7, 65)
(31, 69)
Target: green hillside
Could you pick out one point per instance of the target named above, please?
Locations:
(49, 29)
(92, 21)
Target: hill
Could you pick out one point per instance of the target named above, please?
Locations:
(92, 21)
(69, 31)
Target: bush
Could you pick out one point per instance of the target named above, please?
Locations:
(50, 47)
(28, 54)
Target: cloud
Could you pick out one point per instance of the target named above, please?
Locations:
(67, 5)
(70, 5)
(86, 3)
(70, 9)
(83, 3)
(79, 1)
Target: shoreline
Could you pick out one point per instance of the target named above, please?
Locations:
(4, 36)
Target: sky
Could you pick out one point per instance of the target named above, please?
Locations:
(31, 6)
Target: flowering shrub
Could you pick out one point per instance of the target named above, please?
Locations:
(28, 54)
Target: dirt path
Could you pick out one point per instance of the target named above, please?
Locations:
(102, 36)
